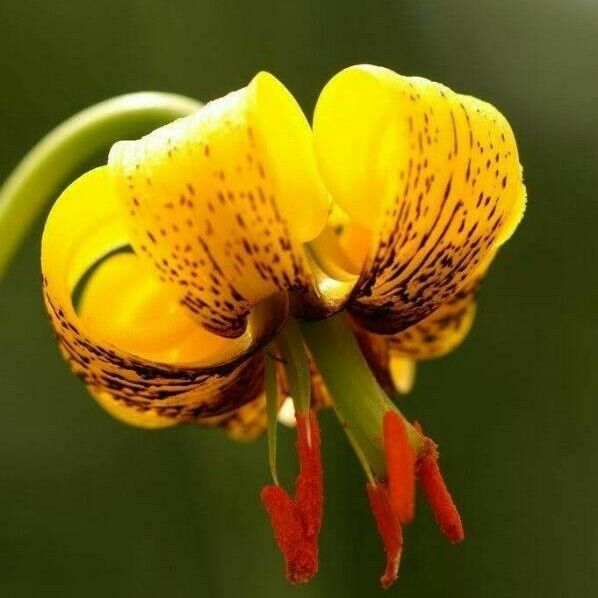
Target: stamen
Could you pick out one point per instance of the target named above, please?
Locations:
(389, 528)
(400, 462)
(297, 522)
(437, 494)
(301, 556)
(309, 494)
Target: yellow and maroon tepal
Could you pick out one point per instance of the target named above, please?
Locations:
(238, 256)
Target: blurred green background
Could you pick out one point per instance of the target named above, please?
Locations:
(89, 507)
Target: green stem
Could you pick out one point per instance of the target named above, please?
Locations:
(358, 400)
(68, 147)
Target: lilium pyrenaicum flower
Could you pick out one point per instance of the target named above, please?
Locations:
(237, 255)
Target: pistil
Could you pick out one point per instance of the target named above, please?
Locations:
(392, 451)
(358, 400)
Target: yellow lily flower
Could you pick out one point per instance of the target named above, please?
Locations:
(196, 249)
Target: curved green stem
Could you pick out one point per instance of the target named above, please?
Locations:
(69, 146)
(358, 400)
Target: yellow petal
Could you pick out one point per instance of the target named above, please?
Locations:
(220, 203)
(353, 240)
(139, 418)
(433, 175)
(245, 423)
(441, 332)
(446, 328)
(125, 303)
(402, 372)
(131, 343)
(393, 358)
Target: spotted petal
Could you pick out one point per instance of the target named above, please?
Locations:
(442, 331)
(246, 423)
(135, 347)
(433, 177)
(394, 357)
(221, 202)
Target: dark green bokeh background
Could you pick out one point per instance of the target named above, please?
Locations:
(89, 507)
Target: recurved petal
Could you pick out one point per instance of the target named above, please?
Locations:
(433, 176)
(402, 372)
(246, 423)
(446, 328)
(147, 419)
(442, 331)
(393, 358)
(140, 354)
(221, 202)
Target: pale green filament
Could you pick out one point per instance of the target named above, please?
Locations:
(296, 364)
(271, 388)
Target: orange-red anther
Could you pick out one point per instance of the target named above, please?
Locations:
(400, 463)
(309, 493)
(389, 528)
(297, 522)
(300, 556)
(437, 494)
